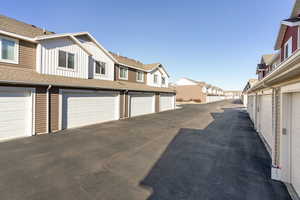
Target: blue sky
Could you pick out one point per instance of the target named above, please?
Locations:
(217, 41)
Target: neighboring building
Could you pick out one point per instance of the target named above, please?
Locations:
(50, 82)
(197, 91)
(233, 94)
(274, 104)
(249, 85)
(267, 64)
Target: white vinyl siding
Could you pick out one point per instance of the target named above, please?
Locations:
(99, 55)
(49, 58)
(16, 112)
(141, 104)
(81, 108)
(166, 102)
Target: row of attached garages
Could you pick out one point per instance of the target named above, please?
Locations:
(210, 99)
(276, 116)
(26, 111)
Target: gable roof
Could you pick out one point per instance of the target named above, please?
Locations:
(129, 62)
(295, 14)
(14, 26)
(268, 59)
(73, 36)
(15, 75)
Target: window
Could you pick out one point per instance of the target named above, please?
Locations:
(100, 68)
(163, 80)
(123, 73)
(9, 50)
(140, 76)
(66, 60)
(288, 48)
(155, 79)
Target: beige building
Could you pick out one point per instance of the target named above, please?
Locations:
(274, 105)
(50, 82)
(188, 90)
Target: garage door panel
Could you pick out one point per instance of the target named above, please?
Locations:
(86, 108)
(266, 118)
(15, 113)
(296, 142)
(141, 104)
(166, 102)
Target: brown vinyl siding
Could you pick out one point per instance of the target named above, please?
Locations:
(54, 109)
(41, 110)
(157, 102)
(122, 108)
(126, 105)
(27, 56)
(131, 75)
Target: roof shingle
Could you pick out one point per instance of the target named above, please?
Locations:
(14, 26)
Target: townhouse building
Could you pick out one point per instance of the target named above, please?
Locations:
(267, 64)
(50, 82)
(197, 91)
(249, 85)
(233, 94)
(274, 104)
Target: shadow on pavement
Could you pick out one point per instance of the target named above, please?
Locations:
(226, 160)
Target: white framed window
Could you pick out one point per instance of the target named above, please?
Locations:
(100, 68)
(123, 73)
(163, 80)
(288, 48)
(9, 50)
(66, 60)
(155, 78)
(140, 76)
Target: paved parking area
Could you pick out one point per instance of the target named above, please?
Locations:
(206, 152)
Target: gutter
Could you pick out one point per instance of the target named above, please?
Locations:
(284, 68)
(48, 109)
(80, 87)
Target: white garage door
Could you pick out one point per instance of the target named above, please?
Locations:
(266, 118)
(141, 104)
(295, 140)
(82, 108)
(166, 102)
(15, 113)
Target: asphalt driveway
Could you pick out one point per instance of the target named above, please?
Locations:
(207, 152)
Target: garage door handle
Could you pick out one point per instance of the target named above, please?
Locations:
(284, 131)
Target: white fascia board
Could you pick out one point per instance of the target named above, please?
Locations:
(140, 69)
(98, 44)
(278, 72)
(18, 36)
(291, 24)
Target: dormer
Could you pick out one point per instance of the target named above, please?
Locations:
(76, 55)
(288, 37)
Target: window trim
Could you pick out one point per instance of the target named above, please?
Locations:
(137, 76)
(67, 56)
(16, 50)
(163, 78)
(155, 82)
(105, 68)
(123, 78)
(287, 52)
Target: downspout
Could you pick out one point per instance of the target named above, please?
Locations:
(48, 109)
(124, 109)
